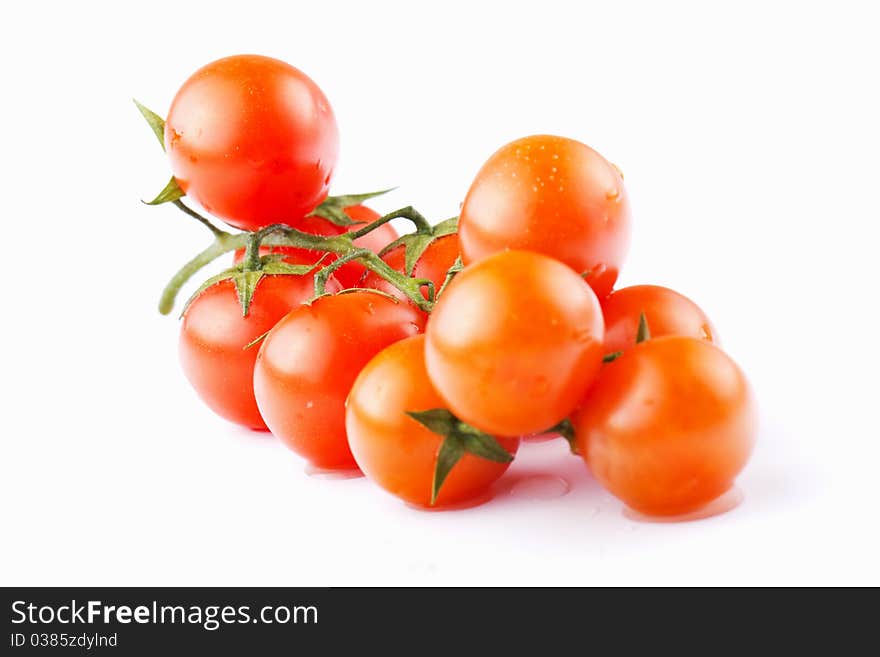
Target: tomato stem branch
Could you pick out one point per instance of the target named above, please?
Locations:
(283, 235)
(204, 220)
(408, 212)
(323, 276)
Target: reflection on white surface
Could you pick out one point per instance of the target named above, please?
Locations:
(720, 505)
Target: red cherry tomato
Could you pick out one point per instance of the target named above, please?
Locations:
(668, 425)
(433, 264)
(394, 450)
(308, 362)
(514, 342)
(253, 140)
(666, 311)
(214, 334)
(350, 273)
(552, 195)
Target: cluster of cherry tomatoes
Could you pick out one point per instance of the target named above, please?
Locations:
(423, 360)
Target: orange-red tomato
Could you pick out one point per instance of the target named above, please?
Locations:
(433, 265)
(394, 450)
(213, 336)
(308, 362)
(253, 140)
(666, 311)
(350, 273)
(514, 342)
(552, 195)
(668, 425)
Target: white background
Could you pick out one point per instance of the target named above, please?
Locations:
(749, 140)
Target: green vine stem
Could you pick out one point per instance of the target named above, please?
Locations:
(283, 235)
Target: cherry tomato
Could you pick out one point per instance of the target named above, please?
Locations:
(433, 264)
(214, 335)
(350, 273)
(253, 140)
(666, 311)
(668, 425)
(308, 362)
(514, 342)
(396, 451)
(552, 195)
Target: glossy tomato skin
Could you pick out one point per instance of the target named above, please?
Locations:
(214, 334)
(666, 311)
(514, 342)
(308, 362)
(668, 426)
(395, 451)
(552, 195)
(350, 273)
(433, 265)
(253, 140)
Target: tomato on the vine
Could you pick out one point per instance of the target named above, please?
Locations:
(667, 313)
(433, 265)
(396, 451)
(552, 195)
(668, 425)
(308, 362)
(350, 273)
(253, 140)
(513, 343)
(214, 334)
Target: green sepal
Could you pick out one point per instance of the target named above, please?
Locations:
(438, 420)
(245, 285)
(451, 450)
(643, 333)
(459, 438)
(451, 273)
(156, 122)
(333, 207)
(257, 340)
(565, 429)
(246, 280)
(416, 243)
(171, 192)
(613, 356)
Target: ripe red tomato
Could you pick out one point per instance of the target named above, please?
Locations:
(396, 451)
(213, 337)
(253, 140)
(308, 362)
(514, 342)
(552, 195)
(350, 273)
(666, 311)
(433, 264)
(668, 425)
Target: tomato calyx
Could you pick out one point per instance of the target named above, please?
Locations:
(459, 438)
(416, 243)
(245, 277)
(333, 207)
(172, 191)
